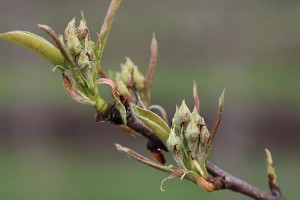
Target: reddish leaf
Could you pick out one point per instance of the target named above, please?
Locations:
(74, 93)
(152, 65)
(196, 97)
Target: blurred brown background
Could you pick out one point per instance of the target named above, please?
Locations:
(51, 147)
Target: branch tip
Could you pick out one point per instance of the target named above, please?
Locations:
(273, 184)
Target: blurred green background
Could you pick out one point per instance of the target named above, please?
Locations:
(51, 147)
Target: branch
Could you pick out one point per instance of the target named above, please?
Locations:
(221, 178)
(112, 115)
(237, 185)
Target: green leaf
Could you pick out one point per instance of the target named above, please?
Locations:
(157, 124)
(36, 44)
(112, 10)
(121, 108)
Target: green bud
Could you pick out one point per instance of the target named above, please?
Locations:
(71, 29)
(181, 117)
(126, 76)
(192, 136)
(73, 44)
(123, 89)
(89, 48)
(174, 145)
(139, 79)
(83, 60)
(204, 138)
(82, 30)
(129, 65)
(196, 117)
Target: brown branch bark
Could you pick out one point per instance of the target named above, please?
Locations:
(235, 184)
(221, 179)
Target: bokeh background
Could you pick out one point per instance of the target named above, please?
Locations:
(51, 147)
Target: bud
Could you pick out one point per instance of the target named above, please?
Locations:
(204, 138)
(83, 60)
(129, 65)
(123, 89)
(195, 116)
(89, 48)
(73, 44)
(139, 79)
(181, 117)
(126, 76)
(174, 145)
(82, 30)
(70, 28)
(192, 134)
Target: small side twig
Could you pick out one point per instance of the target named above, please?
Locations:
(142, 159)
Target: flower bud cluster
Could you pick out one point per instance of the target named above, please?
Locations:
(188, 140)
(81, 49)
(130, 82)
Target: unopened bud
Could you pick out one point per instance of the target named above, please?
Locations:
(126, 76)
(196, 117)
(89, 48)
(82, 30)
(71, 29)
(139, 79)
(73, 44)
(123, 89)
(83, 60)
(204, 138)
(129, 65)
(181, 117)
(192, 135)
(174, 145)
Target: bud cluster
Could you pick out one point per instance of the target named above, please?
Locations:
(130, 83)
(188, 140)
(81, 49)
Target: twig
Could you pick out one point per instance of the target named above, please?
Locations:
(144, 130)
(143, 159)
(222, 179)
(235, 184)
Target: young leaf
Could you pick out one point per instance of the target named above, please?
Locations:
(196, 97)
(162, 111)
(75, 94)
(112, 10)
(273, 184)
(36, 44)
(152, 120)
(216, 124)
(151, 69)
